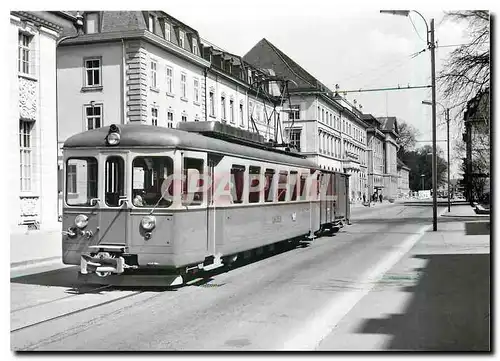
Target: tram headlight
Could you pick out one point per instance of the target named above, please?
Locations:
(148, 223)
(81, 221)
(113, 139)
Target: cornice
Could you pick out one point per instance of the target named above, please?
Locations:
(24, 15)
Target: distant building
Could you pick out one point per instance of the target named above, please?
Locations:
(32, 127)
(376, 155)
(403, 179)
(322, 125)
(389, 127)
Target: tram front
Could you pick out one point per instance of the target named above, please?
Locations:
(107, 190)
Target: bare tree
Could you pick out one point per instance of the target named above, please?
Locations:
(467, 69)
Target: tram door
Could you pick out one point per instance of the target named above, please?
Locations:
(326, 198)
(114, 210)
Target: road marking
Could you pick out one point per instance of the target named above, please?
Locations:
(327, 318)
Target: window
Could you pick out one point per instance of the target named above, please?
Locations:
(331, 121)
(167, 31)
(170, 119)
(282, 185)
(237, 182)
(152, 184)
(295, 112)
(269, 186)
(326, 117)
(303, 193)
(170, 77)
(184, 117)
(71, 185)
(181, 38)
(91, 23)
(151, 23)
(81, 181)
(231, 110)
(323, 115)
(26, 154)
(319, 113)
(92, 72)
(211, 103)
(24, 53)
(192, 192)
(223, 107)
(295, 138)
(320, 136)
(196, 88)
(242, 121)
(114, 181)
(196, 50)
(183, 86)
(154, 65)
(94, 116)
(294, 184)
(154, 116)
(254, 184)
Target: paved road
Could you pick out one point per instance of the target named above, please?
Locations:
(292, 300)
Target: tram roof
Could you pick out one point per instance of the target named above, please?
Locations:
(147, 136)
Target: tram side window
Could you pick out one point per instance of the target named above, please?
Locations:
(282, 186)
(152, 183)
(114, 181)
(254, 184)
(268, 187)
(81, 181)
(192, 193)
(293, 185)
(303, 191)
(237, 182)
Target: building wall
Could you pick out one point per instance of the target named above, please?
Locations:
(33, 99)
(403, 182)
(72, 93)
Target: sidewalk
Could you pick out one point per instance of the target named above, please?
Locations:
(35, 247)
(435, 298)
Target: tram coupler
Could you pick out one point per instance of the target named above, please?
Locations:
(100, 264)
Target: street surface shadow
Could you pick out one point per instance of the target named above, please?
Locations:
(449, 309)
(477, 228)
(68, 278)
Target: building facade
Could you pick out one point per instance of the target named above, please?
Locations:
(376, 158)
(389, 127)
(147, 67)
(322, 125)
(403, 179)
(32, 127)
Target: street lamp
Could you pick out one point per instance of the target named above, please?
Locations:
(422, 177)
(430, 44)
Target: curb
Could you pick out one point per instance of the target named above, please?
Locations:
(477, 216)
(37, 261)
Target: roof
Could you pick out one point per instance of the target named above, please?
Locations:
(148, 136)
(388, 124)
(400, 164)
(267, 56)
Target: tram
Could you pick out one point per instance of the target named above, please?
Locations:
(147, 205)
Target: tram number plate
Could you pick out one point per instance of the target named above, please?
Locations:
(277, 219)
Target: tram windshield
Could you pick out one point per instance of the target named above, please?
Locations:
(81, 181)
(151, 185)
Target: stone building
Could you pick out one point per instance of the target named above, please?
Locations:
(32, 126)
(322, 125)
(148, 67)
(403, 179)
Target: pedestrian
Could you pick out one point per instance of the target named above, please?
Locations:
(380, 197)
(364, 198)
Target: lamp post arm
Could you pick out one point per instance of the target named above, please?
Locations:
(426, 25)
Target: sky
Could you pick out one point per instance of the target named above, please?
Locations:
(356, 47)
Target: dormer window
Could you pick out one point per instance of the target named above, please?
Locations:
(196, 50)
(167, 31)
(92, 23)
(151, 23)
(181, 38)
